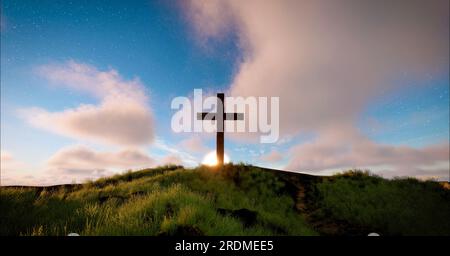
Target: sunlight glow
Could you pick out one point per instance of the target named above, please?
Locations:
(211, 160)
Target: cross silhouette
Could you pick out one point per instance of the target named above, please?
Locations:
(220, 116)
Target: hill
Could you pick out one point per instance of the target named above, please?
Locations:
(238, 200)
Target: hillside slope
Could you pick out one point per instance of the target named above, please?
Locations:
(238, 200)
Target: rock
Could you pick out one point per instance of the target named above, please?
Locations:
(169, 210)
(103, 199)
(246, 216)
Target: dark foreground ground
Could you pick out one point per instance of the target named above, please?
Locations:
(237, 200)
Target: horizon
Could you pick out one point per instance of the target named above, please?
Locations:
(86, 87)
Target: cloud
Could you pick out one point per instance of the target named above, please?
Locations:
(83, 162)
(76, 163)
(9, 164)
(216, 13)
(5, 156)
(121, 118)
(12, 170)
(273, 156)
(194, 144)
(171, 159)
(186, 152)
(344, 147)
(81, 157)
(174, 150)
(327, 60)
(112, 122)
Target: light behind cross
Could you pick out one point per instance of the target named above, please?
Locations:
(220, 116)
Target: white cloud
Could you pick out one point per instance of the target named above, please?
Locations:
(344, 148)
(171, 159)
(84, 77)
(73, 164)
(80, 162)
(122, 117)
(81, 157)
(326, 60)
(12, 170)
(9, 164)
(193, 144)
(174, 150)
(5, 156)
(271, 157)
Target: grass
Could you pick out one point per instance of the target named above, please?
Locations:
(161, 201)
(402, 206)
(172, 200)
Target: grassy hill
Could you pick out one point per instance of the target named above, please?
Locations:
(238, 200)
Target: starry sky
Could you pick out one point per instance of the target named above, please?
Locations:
(71, 70)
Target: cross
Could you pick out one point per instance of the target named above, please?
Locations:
(220, 116)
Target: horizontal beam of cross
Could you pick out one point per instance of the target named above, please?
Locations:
(226, 116)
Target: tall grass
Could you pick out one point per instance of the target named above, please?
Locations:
(402, 206)
(172, 200)
(159, 201)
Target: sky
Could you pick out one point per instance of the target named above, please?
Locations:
(86, 86)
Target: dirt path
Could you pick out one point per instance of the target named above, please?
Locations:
(302, 187)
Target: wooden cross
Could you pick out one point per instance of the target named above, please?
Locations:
(220, 116)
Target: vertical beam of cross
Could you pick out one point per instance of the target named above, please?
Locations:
(220, 136)
(220, 116)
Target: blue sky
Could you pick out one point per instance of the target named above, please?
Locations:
(159, 43)
(417, 117)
